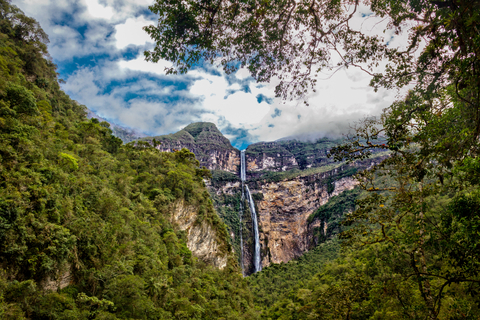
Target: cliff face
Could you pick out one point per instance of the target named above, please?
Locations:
(202, 238)
(283, 209)
(269, 156)
(287, 155)
(211, 148)
(284, 212)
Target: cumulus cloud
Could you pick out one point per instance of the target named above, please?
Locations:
(143, 103)
(97, 10)
(139, 64)
(131, 32)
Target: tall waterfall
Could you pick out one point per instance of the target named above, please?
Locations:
(256, 257)
(246, 192)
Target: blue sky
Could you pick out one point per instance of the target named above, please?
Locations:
(98, 47)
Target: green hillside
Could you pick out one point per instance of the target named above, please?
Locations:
(85, 226)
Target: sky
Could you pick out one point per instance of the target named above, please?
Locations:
(98, 47)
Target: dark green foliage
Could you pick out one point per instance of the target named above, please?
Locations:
(330, 185)
(332, 214)
(276, 281)
(198, 128)
(257, 196)
(228, 208)
(461, 222)
(8, 216)
(21, 99)
(81, 211)
(220, 177)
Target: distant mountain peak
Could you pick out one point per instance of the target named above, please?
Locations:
(210, 146)
(196, 128)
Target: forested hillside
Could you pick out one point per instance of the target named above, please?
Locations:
(85, 222)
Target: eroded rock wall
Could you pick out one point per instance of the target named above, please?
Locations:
(202, 238)
(211, 158)
(269, 156)
(283, 216)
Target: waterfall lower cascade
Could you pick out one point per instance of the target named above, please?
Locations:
(246, 194)
(241, 233)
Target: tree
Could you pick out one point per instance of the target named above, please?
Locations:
(294, 40)
(427, 213)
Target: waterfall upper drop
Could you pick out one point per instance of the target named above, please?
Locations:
(242, 166)
(246, 194)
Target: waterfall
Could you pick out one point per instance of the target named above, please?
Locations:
(241, 232)
(246, 192)
(242, 166)
(256, 257)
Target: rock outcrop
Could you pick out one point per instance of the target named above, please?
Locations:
(269, 156)
(202, 238)
(284, 212)
(287, 155)
(210, 147)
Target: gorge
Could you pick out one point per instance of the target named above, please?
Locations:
(93, 227)
(269, 193)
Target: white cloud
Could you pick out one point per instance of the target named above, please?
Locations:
(97, 10)
(141, 112)
(242, 74)
(139, 64)
(239, 108)
(102, 29)
(131, 32)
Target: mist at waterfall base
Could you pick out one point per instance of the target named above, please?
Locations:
(246, 194)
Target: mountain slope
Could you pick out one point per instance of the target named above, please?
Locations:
(91, 228)
(210, 147)
(125, 134)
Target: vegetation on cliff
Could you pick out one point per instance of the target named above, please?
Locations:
(85, 222)
(202, 138)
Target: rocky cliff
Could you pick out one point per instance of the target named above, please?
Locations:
(276, 156)
(285, 209)
(211, 148)
(284, 212)
(202, 238)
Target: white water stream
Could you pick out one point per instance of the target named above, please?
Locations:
(246, 194)
(241, 233)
